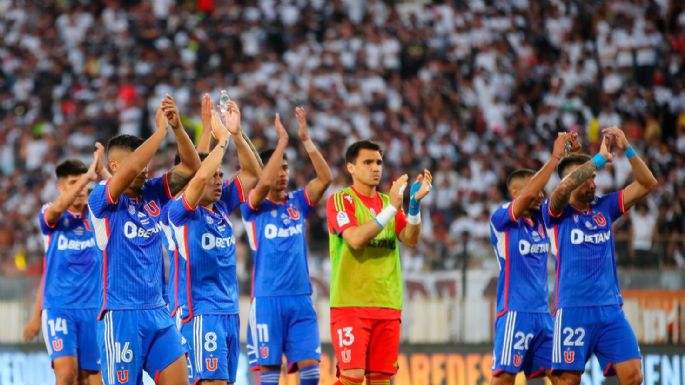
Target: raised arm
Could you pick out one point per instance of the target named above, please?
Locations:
(270, 172)
(100, 168)
(203, 144)
(561, 195)
(359, 236)
(317, 186)
(645, 182)
(133, 164)
(419, 189)
(196, 186)
(32, 328)
(539, 180)
(250, 169)
(65, 199)
(190, 160)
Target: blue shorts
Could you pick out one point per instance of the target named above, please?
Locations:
(214, 346)
(72, 333)
(131, 341)
(523, 341)
(282, 325)
(603, 331)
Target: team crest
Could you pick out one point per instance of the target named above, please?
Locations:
(600, 219)
(152, 208)
(57, 345)
(264, 351)
(285, 219)
(590, 226)
(122, 376)
(212, 364)
(294, 213)
(569, 356)
(536, 236)
(131, 209)
(209, 220)
(518, 359)
(346, 356)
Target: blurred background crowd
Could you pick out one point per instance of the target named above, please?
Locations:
(468, 89)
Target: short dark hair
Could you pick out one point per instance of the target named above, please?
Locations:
(177, 158)
(70, 167)
(571, 160)
(353, 150)
(126, 142)
(266, 155)
(520, 173)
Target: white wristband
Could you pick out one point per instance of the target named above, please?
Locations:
(385, 216)
(414, 219)
(309, 145)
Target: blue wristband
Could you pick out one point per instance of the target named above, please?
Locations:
(630, 152)
(599, 161)
(414, 205)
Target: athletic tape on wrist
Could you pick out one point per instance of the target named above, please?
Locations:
(414, 219)
(630, 152)
(599, 160)
(385, 216)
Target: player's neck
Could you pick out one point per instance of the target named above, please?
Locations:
(276, 195)
(131, 193)
(579, 205)
(76, 209)
(208, 205)
(364, 189)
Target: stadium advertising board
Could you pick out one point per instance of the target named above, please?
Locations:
(419, 365)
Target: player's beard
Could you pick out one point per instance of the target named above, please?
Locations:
(138, 182)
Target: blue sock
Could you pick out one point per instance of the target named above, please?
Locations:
(309, 375)
(270, 377)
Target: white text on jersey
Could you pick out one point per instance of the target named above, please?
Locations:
(64, 243)
(272, 231)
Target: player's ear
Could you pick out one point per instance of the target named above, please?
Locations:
(113, 165)
(350, 167)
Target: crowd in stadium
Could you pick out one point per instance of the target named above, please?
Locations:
(466, 91)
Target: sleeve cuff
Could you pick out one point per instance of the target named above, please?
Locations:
(309, 201)
(552, 213)
(249, 202)
(109, 196)
(621, 205)
(511, 212)
(187, 205)
(45, 220)
(167, 189)
(239, 186)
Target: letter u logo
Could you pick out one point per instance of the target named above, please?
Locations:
(152, 208)
(599, 219)
(569, 356)
(212, 364)
(57, 344)
(294, 213)
(122, 376)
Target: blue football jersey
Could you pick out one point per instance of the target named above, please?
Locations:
(205, 240)
(521, 248)
(72, 265)
(129, 234)
(583, 246)
(276, 231)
